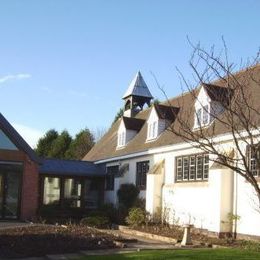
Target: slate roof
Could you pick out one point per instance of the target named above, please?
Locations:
(17, 139)
(71, 167)
(106, 147)
(138, 87)
(133, 123)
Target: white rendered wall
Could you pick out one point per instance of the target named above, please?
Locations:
(129, 177)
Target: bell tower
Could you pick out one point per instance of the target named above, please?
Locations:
(136, 96)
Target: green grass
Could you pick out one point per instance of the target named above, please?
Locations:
(200, 254)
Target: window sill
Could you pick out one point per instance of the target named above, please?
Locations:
(196, 183)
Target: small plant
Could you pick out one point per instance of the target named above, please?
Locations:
(95, 221)
(136, 217)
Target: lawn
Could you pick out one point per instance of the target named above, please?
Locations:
(200, 254)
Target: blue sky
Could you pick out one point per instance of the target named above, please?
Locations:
(65, 64)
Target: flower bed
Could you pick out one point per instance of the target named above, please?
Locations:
(46, 239)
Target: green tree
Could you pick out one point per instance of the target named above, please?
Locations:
(82, 143)
(45, 143)
(60, 146)
(118, 115)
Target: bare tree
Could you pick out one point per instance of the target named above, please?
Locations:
(238, 112)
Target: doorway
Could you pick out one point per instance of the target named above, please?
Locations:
(10, 188)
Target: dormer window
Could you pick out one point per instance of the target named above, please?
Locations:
(202, 116)
(127, 130)
(121, 139)
(152, 130)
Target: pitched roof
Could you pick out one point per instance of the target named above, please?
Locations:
(70, 167)
(138, 87)
(133, 123)
(106, 147)
(17, 139)
(166, 112)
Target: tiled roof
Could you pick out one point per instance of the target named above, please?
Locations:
(138, 87)
(70, 167)
(106, 147)
(16, 138)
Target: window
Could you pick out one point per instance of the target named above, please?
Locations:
(205, 119)
(141, 170)
(51, 191)
(72, 193)
(152, 130)
(121, 139)
(253, 159)
(91, 193)
(202, 116)
(192, 168)
(110, 177)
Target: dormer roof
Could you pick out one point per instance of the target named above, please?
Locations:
(217, 93)
(138, 87)
(133, 123)
(166, 112)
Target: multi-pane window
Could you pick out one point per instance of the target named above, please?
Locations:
(254, 159)
(141, 170)
(110, 176)
(152, 130)
(205, 119)
(121, 139)
(192, 167)
(202, 116)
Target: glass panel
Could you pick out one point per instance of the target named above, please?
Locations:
(1, 195)
(51, 191)
(10, 189)
(72, 193)
(179, 169)
(192, 167)
(12, 194)
(91, 195)
(185, 168)
(199, 167)
(5, 142)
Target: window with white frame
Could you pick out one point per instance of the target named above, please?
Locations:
(121, 139)
(202, 116)
(192, 167)
(253, 160)
(152, 130)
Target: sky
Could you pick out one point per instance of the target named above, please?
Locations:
(65, 64)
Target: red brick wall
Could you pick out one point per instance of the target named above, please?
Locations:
(30, 190)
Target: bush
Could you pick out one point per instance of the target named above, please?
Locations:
(127, 195)
(136, 217)
(95, 221)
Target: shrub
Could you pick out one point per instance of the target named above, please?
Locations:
(136, 217)
(127, 195)
(95, 221)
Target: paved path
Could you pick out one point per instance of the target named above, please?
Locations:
(13, 224)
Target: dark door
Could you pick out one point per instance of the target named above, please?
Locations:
(10, 186)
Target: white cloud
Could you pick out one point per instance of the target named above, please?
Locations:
(30, 135)
(10, 77)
